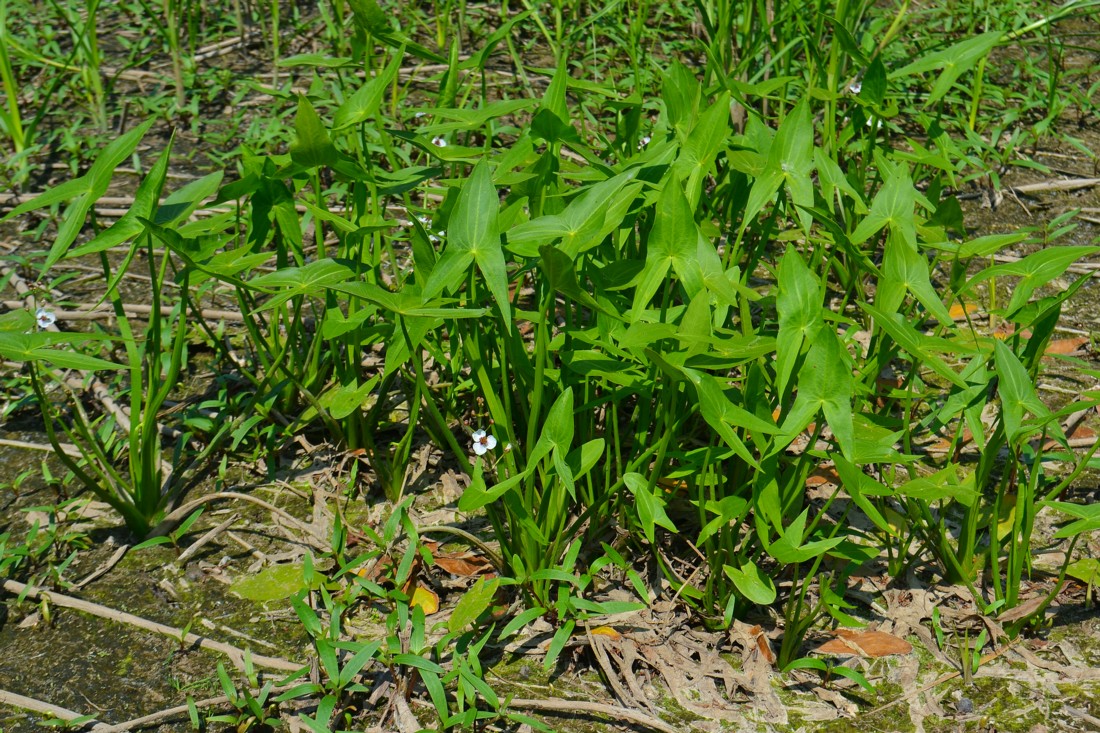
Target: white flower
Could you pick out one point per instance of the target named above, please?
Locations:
(855, 87)
(418, 115)
(643, 142)
(483, 442)
(44, 318)
(439, 142)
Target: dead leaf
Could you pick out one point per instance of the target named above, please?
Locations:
(426, 599)
(466, 564)
(1023, 610)
(753, 639)
(1067, 346)
(823, 475)
(607, 631)
(960, 311)
(872, 644)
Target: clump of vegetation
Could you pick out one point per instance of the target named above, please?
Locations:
(639, 295)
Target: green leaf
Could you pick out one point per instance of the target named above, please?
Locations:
(557, 430)
(312, 148)
(953, 62)
(798, 304)
(1035, 270)
(650, 506)
(904, 269)
(698, 153)
(789, 548)
(476, 495)
(473, 603)
(364, 103)
(893, 206)
(271, 583)
(472, 234)
(790, 163)
(411, 660)
(858, 485)
(752, 583)
(561, 636)
(129, 226)
(917, 344)
(295, 282)
(673, 242)
(1017, 392)
(180, 204)
(941, 485)
(83, 192)
(374, 21)
(873, 89)
(1088, 517)
(37, 347)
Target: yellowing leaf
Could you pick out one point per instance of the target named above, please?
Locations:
(427, 600)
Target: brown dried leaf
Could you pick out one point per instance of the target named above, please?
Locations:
(465, 564)
(822, 476)
(1067, 346)
(872, 644)
(1023, 610)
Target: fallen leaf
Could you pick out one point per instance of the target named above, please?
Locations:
(865, 644)
(960, 311)
(607, 631)
(1025, 609)
(754, 641)
(821, 476)
(271, 584)
(465, 564)
(1067, 346)
(426, 599)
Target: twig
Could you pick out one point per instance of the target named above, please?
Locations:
(104, 568)
(70, 450)
(1068, 184)
(582, 706)
(205, 540)
(179, 513)
(29, 703)
(65, 601)
(148, 721)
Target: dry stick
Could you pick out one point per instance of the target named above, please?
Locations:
(1069, 184)
(205, 540)
(180, 513)
(14, 700)
(147, 721)
(70, 450)
(234, 653)
(105, 568)
(582, 706)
